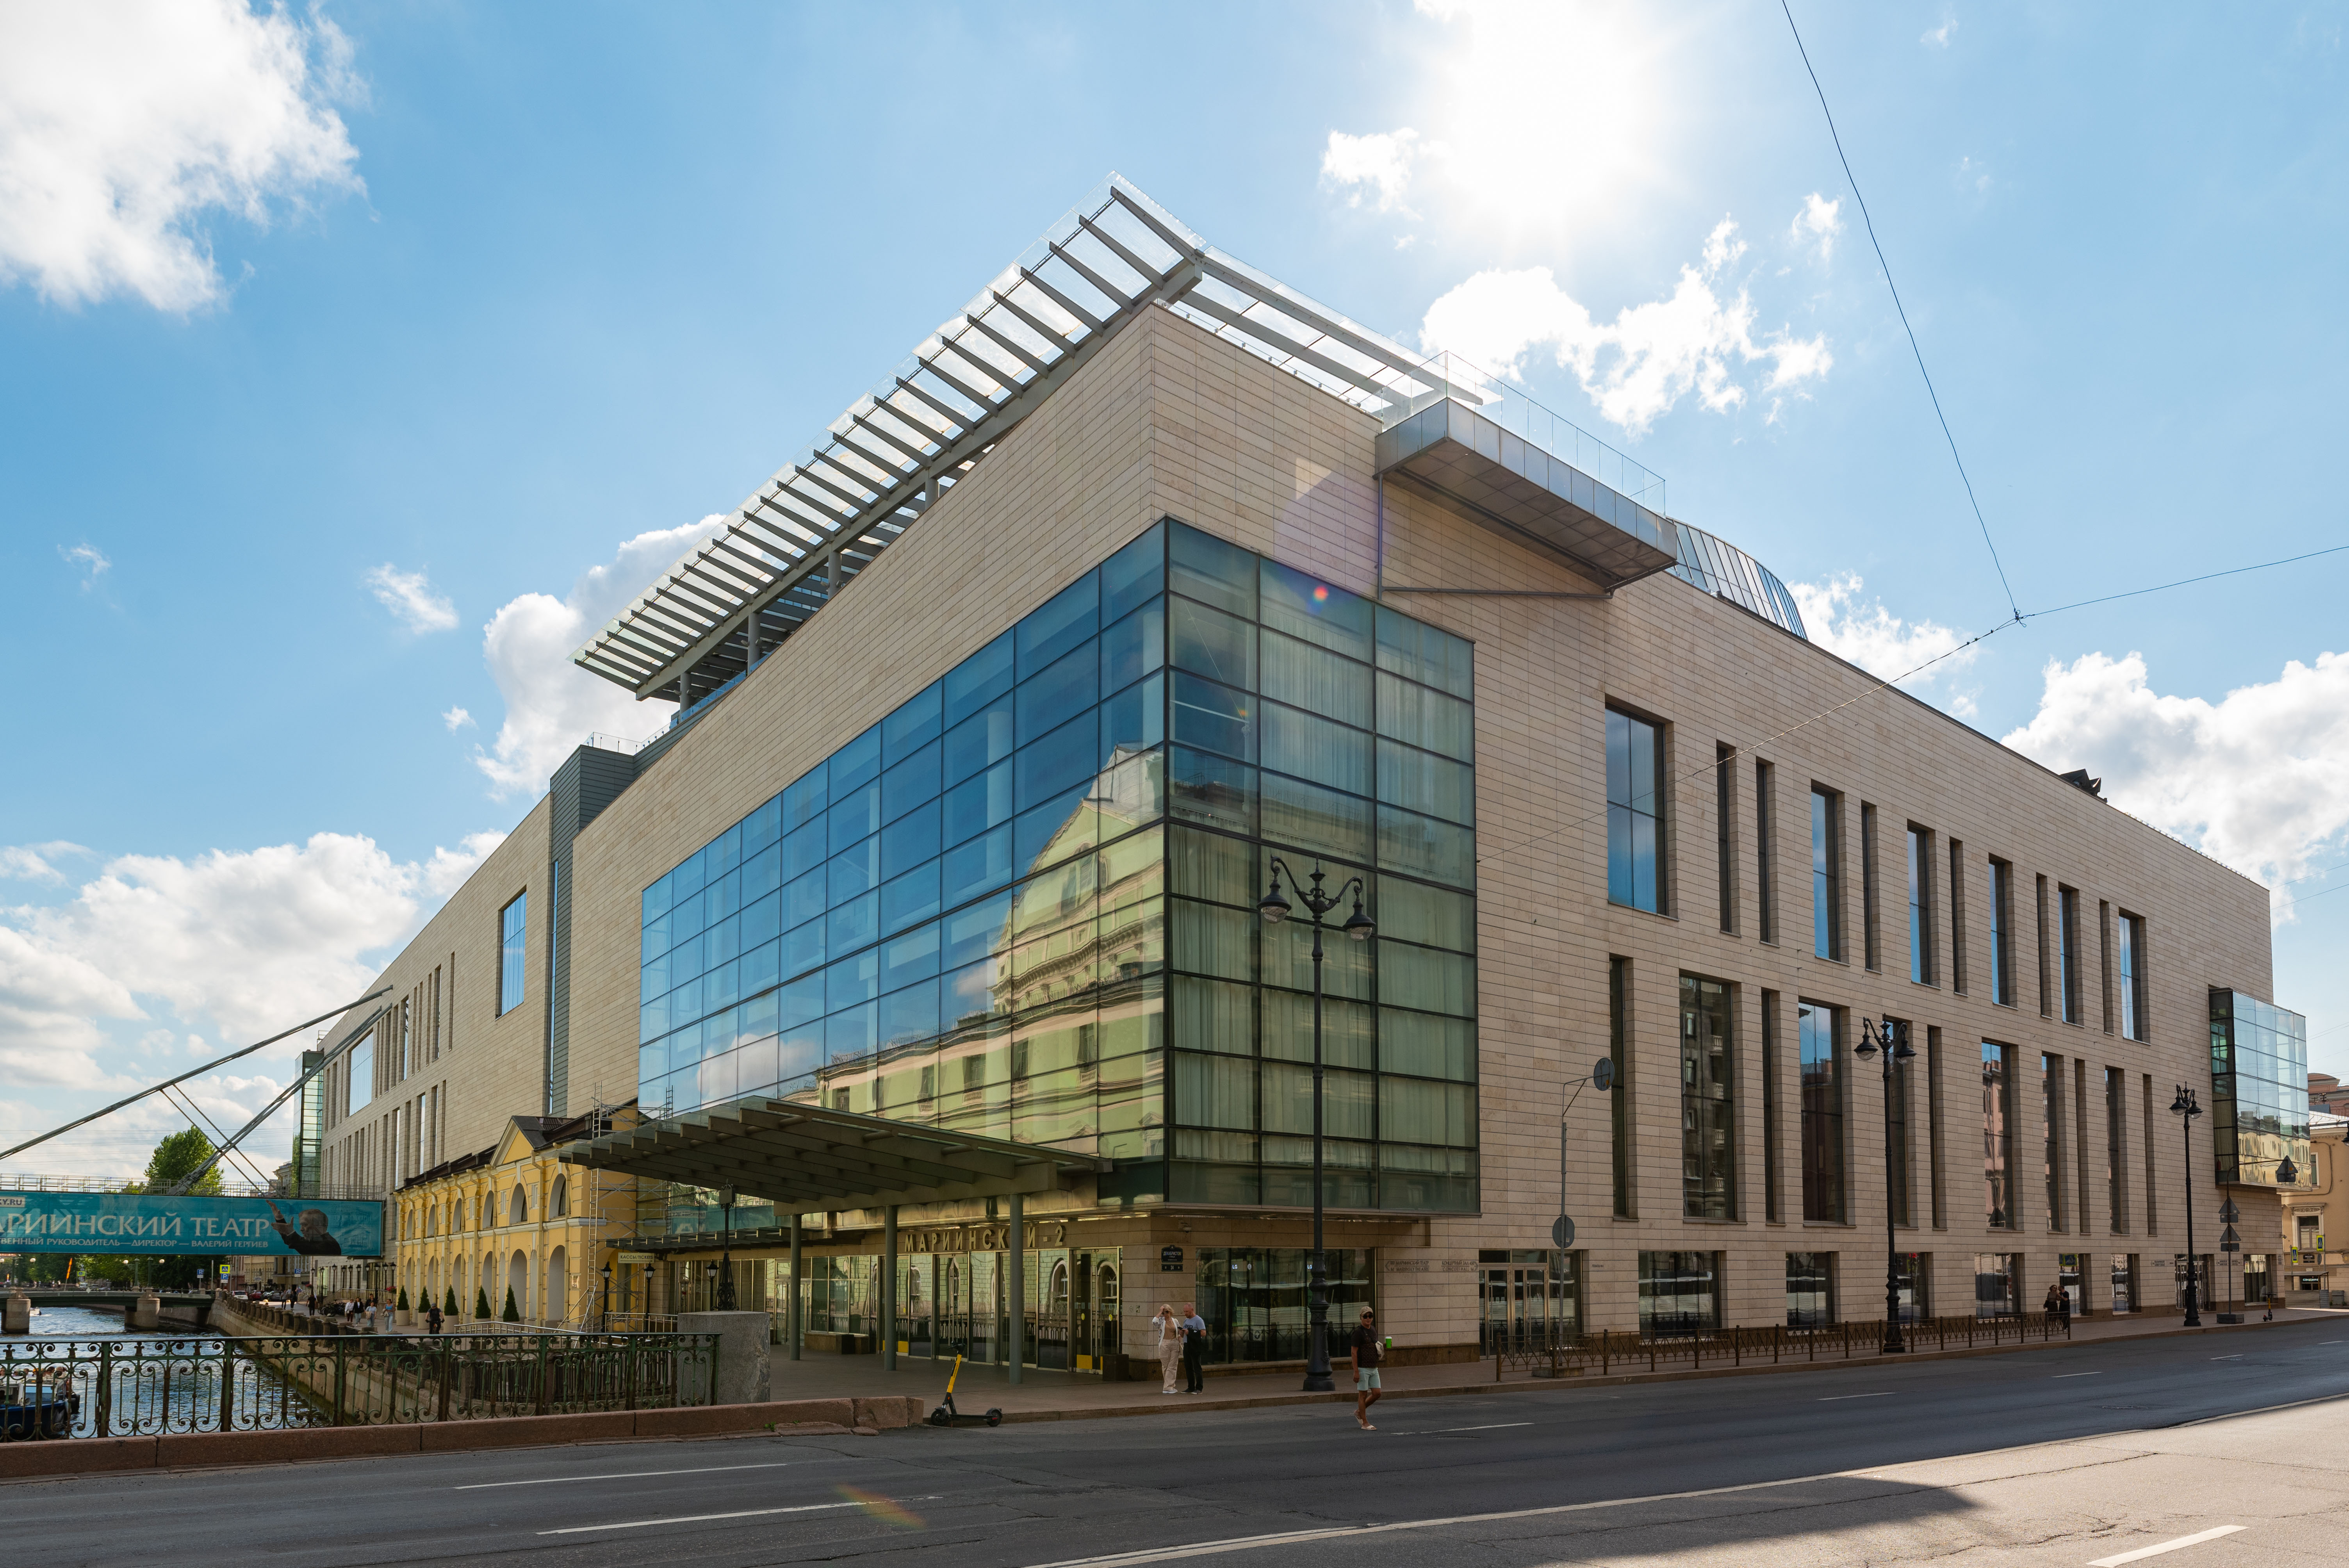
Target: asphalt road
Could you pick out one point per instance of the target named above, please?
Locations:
(2112, 1463)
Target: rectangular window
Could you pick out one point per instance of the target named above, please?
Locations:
(1912, 1278)
(1678, 1295)
(1765, 853)
(2046, 958)
(1935, 1167)
(2051, 1080)
(2068, 951)
(358, 1075)
(511, 924)
(2124, 1284)
(1725, 786)
(2116, 1148)
(1826, 874)
(1823, 1163)
(2145, 1138)
(2002, 933)
(1619, 1004)
(1707, 1108)
(1810, 1290)
(1998, 1284)
(1998, 1137)
(1897, 1180)
(1957, 917)
(2132, 977)
(1634, 833)
(2105, 961)
(1772, 1209)
(1920, 905)
(1871, 949)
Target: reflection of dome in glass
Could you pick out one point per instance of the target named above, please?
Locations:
(1719, 567)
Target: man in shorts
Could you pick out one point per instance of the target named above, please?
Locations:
(1367, 1353)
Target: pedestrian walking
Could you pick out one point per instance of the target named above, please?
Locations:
(1195, 1349)
(1367, 1355)
(2057, 1304)
(1170, 1344)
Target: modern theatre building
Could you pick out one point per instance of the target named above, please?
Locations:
(928, 930)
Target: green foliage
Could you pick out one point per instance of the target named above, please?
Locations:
(402, 1302)
(178, 1155)
(449, 1307)
(481, 1302)
(513, 1314)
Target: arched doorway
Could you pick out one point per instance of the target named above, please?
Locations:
(558, 1288)
(518, 1282)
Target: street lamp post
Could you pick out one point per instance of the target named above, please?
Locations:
(726, 1253)
(649, 1295)
(2187, 1109)
(603, 1312)
(1359, 926)
(1893, 1040)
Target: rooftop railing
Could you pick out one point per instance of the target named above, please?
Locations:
(1446, 375)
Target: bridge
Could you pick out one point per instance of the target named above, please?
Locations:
(200, 1303)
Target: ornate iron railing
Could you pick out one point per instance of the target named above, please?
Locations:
(137, 1387)
(1609, 1351)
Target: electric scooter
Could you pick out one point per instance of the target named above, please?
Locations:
(946, 1415)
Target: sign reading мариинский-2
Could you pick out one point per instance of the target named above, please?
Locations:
(164, 1226)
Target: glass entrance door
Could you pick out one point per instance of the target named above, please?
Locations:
(1532, 1300)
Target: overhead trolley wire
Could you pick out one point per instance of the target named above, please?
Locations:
(1963, 476)
(2186, 581)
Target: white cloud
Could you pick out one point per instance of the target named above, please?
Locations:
(1820, 221)
(1638, 367)
(35, 863)
(88, 557)
(1873, 637)
(552, 705)
(457, 719)
(409, 597)
(1377, 165)
(2259, 779)
(122, 125)
(1939, 38)
(50, 1002)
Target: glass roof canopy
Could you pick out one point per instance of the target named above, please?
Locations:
(832, 509)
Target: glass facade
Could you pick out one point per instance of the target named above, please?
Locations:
(1253, 1300)
(1998, 1284)
(1810, 1290)
(1708, 1186)
(1634, 837)
(1023, 903)
(1823, 1161)
(2258, 1090)
(1679, 1293)
(359, 1076)
(513, 926)
(1998, 1137)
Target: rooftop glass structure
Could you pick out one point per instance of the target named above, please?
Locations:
(1719, 567)
(1023, 903)
(2258, 1090)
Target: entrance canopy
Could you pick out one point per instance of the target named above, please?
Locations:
(805, 1157)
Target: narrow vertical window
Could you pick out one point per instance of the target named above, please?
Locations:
(1826, 874)
(1997, 1124)
(2002, 933)
(1935, 1168)
(511, 923)
(1618, 980)
(1725, 786)
(1772, 1209)
(1871, 949)
(2105, 961)
(2046, 960)
(1896, 1181)
(1921, 906)
(1957, 917)
(2116, 1148)
(1822, 1114)
(2068, 951)
(2051, 1079)
(1766, 854)
(1707, 1108)
(1634, 838)
(2145, 1141)
(2132, 935)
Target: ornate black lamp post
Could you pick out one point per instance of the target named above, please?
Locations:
(2187, 1109)
(603, 1312)
(648, 1298)
(1893, 1041)
(726, 1253)
(1275, 909)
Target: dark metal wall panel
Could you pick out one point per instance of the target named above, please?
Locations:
(589, 779)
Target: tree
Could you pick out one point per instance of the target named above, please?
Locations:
(448, 1308)
(177, 1157)
(482, 1302)
(402, 1303)
(512, 1313)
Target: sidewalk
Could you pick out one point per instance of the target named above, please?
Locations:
(1046, 1395)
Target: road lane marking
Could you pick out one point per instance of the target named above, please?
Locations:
(2238, 1355)
(2061, 1375)
(1831, 1399)
(621, 1475)
(2143, 1551)
(2328, 1342)
(705, 1518)
(1494, 1428)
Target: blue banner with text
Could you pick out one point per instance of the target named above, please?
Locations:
(162, 1226)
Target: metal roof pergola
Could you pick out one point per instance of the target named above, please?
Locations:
(826, 514)
(807, 1158)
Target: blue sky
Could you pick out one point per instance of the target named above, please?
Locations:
(350, 349)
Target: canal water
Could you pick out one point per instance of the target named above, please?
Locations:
(156, 1380)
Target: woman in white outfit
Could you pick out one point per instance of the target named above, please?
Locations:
(1170, 1347)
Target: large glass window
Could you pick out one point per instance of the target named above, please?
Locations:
(1634, 836)
(1921, 906)
(1826, 874)
(1810, 1290)
(512, 928)
(1708, 1115)
(360, 1079)
(2132, 977)
(1023, 902)
(1998, 1136)
(2259, 1090)
(1823, 1152)
(2051, 1080)
(1679, 1293)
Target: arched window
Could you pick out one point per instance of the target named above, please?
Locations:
(561, 1206)
(518, 1207)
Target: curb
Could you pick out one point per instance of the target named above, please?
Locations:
(1627, 1379)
